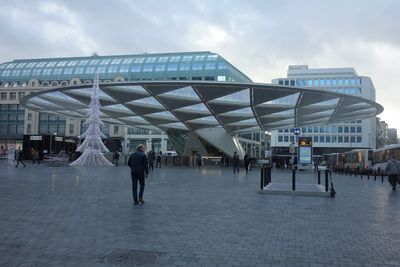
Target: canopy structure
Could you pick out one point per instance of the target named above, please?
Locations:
(205, 108)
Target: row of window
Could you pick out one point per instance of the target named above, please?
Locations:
(11, 128)
(11, 117)
(115, 69)
(325, 139)
(110, 61)
(11, 95)
(51, 118)
(51, 129)
(11, 107)
(327, 129)
(321, 82)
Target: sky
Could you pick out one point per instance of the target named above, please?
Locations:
(261, 38)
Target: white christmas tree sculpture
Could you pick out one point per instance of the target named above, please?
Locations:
(92, 147)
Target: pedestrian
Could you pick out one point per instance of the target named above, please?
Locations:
(116, 158)
(139, 171)
(158, 163)
(165, 159)
(199, 160)
(246, 162)
(36, 157)
(20, 156)
(150, 159)
(235, 162)
(392, 169)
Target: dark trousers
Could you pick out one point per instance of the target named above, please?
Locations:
(18, 161)
(235, 168)
(246, 166)
(393, 180)
(135, 179)
(158, 164)
(151, 166)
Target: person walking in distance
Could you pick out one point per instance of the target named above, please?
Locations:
(150, 159)
(246, 162)
(392, 168)
(116, 158)
(139, 171)
(20, 155)
(235, 162)
(159, 157)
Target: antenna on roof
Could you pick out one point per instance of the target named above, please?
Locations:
(94, 54)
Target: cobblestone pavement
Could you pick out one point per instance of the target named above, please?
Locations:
(69, 216)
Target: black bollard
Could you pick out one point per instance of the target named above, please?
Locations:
(382, 178)
(319, 177)
(326, 181)
(293, 179)
(269, 175)
(265, 176)
(261, 179)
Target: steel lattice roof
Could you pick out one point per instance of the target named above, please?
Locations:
(237, 107)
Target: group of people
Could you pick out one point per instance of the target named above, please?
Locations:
(236, 162)
(151, 157)
(19, 156)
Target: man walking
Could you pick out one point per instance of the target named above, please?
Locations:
(392, 168)
(235, 162)
(139, 170)
(20, 155)
(246, 162)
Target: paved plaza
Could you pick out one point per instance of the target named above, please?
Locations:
(70, 216)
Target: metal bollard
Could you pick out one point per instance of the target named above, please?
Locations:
(382, 178)
(319, 177)
(265, 176)
(293, 179)
(269, 175)
(326, 181)
(374, 176)
(261, 179)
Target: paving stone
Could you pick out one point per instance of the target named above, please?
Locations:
(68, 216)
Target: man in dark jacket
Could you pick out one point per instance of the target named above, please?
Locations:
(246, 162)
(20, 155)
(392, 169)
(235, 160)
(139, 170)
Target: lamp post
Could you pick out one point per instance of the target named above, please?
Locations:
(51, 141)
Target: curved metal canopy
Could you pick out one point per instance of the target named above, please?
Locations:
(237, 107)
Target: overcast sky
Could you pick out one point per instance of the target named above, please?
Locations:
(261, 38)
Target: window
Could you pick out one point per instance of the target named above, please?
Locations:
(13, 96)
(3, 96)
(35, 72)
(199, 58)
(128, 60)
(309, 129)
(162, 59)
(79, 70)
(16, 73)
(29, 116)
(212, 57)
(94, 62)
(321, 129)
(328, 139)
(136, 68)
(172, 67)
(291, 138)
(346, 139)
(187, 58)
(184, 67)
(29, 128)
(60, 64)
(68, 71)
(334, 139)
(124, 68)
(83, 62)
(316, 129)
(46, 72)
(210, 66)
(57, 71)
(71, 128)
(286, 138)
(3, 117)
(26, 72)
(116, 128)
(102, 69)
(352, 129)
(21, 65)
(340, 139)
(160, 67)
(209, 78)
(222, 66)
(197, 66)
(72, 63)
(147, 68)
(221, 78)
(358, 129)
(315, 139)
(358, 139)
(105, 61)
(346, 129)
(174, 59)
(112, 69)
(151, 60)
(90, 70)
(21, 95)
(139, 60)
(197, 78)
(12, 128)
(353, 139)
(321, 139)
(116, 61)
